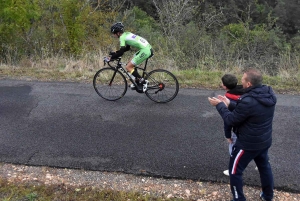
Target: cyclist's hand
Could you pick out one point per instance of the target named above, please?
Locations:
(106, 59)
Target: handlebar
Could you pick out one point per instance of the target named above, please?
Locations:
(106, 60)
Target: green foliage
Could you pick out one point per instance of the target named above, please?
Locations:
(295, 43)
(142, 19)
(72, 13)
(235, 31)
(41, 29)
(138, 21)
(255, 46)
(16, 18)
(32, 196)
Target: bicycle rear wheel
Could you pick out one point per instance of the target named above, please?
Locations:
(162, 87)
(110, 84)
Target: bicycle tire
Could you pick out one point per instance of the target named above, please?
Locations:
(163, 86)
(110, 84)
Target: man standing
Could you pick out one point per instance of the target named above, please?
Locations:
(252, 116)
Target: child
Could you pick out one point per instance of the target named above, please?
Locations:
(234, 91)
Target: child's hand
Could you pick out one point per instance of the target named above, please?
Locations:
(214, 101)
(229, 140)
(224, 99)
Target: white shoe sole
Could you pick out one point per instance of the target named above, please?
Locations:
(226, 172)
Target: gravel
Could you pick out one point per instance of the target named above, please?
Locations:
(169, 188)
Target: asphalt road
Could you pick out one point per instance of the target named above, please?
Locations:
(67, 125)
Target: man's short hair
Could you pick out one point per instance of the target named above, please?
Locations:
(229, 81)
(254, 76)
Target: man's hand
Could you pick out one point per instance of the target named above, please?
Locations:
(224, 99)
(214, 101)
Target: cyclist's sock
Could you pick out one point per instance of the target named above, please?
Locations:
(131, 75)
(135, 73)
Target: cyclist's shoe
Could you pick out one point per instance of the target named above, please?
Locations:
(139, 89)
(145, 85)
(132, 86)
(262, 197)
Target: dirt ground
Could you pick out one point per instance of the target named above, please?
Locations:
(169, 188)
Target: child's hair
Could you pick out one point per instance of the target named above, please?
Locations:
(230, 81)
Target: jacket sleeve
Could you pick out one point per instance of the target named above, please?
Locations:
(227, 130)
(232, 105)
(240, 113)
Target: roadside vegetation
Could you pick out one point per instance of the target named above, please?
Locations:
(197, 40)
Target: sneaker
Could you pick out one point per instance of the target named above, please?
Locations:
(226, 172)
(261, 195)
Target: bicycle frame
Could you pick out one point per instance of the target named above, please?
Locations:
(111, 83)
(124, 71)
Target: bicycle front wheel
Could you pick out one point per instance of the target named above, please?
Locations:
(162, 87)
(110, 84)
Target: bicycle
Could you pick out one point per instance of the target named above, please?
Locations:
(110, 83)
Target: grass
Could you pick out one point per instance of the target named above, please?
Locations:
(30, 192)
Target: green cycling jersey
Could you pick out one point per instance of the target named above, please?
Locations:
(128, 38)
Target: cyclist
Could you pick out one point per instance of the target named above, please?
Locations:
(128, 39)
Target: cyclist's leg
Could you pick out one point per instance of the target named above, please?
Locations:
(141, 56)
(130, 67)
(137, 59)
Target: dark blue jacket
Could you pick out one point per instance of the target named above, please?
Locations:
(252, 116)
